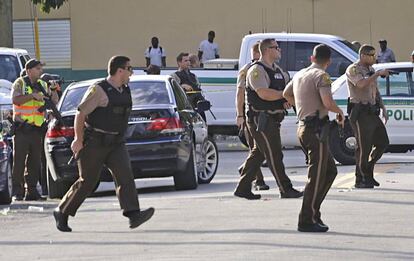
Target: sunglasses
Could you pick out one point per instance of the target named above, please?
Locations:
(129, 68)
(275, 47)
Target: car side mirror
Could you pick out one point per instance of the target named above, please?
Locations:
(203, 105)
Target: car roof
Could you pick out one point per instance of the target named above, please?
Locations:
(294, 36)
(5, 50)
(380, 66)
(161, 78)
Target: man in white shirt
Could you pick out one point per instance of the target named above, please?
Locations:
(155, 54)
(208, 50)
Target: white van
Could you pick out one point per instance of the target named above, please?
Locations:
(397, 92)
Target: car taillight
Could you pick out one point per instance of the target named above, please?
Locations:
(166, 125)
(58, 131)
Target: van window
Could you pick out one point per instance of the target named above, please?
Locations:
(399, 83)
(303, 52)
(9, 68)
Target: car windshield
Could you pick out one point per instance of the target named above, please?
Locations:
(142, 92)
(9, 67)
(350, 46)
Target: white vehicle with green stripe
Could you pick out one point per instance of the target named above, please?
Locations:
(218, 77)
(397, 92)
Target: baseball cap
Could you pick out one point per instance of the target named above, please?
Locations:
(32, 63)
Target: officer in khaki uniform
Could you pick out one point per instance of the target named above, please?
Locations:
(100, 125)
(28, 125)
(310, 91)
(259, 183)
(364, 107)
(266, 110)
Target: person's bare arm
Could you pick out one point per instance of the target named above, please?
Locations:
(269, 94)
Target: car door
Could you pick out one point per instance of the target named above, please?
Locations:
(187, 113)
(397, 91)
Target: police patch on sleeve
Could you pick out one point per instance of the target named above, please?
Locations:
(326, 79)
(90, 91)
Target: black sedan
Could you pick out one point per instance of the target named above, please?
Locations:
(166, 136)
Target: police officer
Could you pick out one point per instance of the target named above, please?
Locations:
(364, 109)
(310, 91)
(259, 184)
(101, 142)
(29, 123)
(188, 81)
(266, 109)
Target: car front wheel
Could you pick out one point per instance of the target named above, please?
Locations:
(342, 143)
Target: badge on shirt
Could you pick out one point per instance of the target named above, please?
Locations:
(278, 76)
(255, 74)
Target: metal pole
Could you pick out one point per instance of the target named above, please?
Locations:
(36, 36)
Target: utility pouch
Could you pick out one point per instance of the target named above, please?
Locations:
(262, 121)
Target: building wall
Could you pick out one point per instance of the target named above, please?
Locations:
(102, 28)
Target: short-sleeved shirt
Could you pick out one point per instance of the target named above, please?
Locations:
(257, 76)
(17, 90)
(386, 56)
(241, 77)
(155, 55)
(307, 87)
(355, 73)
(210, 50)
(94, 97)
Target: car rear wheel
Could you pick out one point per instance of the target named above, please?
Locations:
(343, 145)
(6, 180)
(187, 179)
(209, 161)
(58, 188)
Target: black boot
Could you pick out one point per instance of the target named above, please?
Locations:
(139, 217)
(260, 185)
(61, 220)
(247, 195)
(291, 193)
(312, 228)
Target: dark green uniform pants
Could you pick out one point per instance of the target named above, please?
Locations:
(266, 143)
(250, 142)
(321, 174)
(92, 158)
(27, 148)
(372, 140)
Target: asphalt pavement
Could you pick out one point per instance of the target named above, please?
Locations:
(211, 224)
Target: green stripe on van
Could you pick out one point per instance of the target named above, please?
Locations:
(386, 102)
(208, 80)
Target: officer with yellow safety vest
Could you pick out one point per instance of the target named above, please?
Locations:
(28, 124)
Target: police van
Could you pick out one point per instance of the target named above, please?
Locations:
(397, 92)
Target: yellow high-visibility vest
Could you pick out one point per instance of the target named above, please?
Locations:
(28, 111)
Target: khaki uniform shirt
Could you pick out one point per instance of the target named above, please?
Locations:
(257, 76)
(17, 90)
(307, 87)
(355, 73)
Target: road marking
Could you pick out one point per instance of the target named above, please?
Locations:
(348, 180)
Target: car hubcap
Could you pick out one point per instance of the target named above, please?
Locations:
(350, 143)
(209, 160)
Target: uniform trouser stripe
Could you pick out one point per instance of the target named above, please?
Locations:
(316, 189)
(361, 151)
(321, 174)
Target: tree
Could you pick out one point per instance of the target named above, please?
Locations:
(6, 34)
(45, 5)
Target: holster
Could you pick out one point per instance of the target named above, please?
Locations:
(262, 121)
(321, 126)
